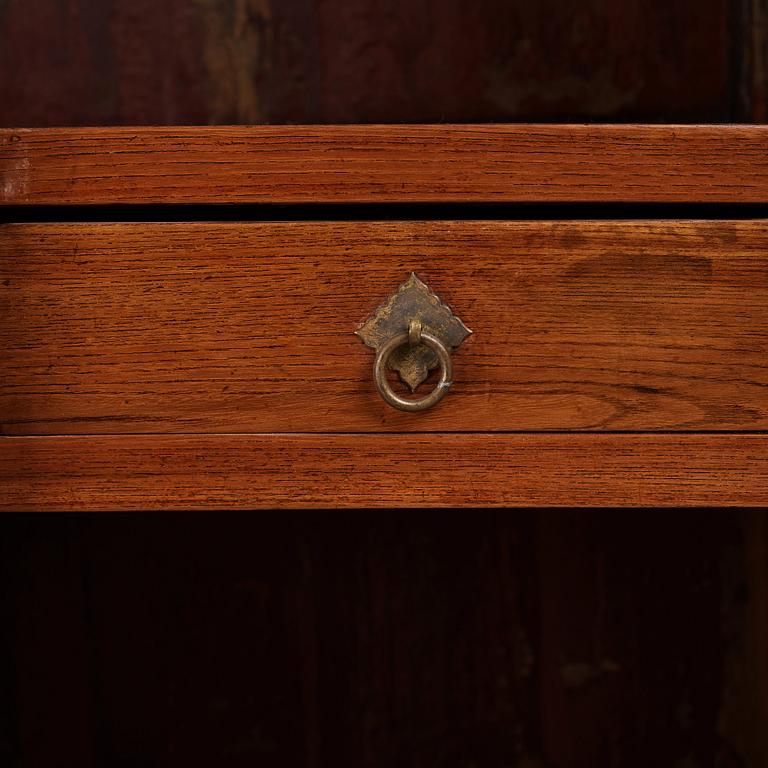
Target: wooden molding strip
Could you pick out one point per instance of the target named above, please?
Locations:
(385, 163)
(443, 470)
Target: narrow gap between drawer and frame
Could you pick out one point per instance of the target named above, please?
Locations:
(379, 212)
(405, 433)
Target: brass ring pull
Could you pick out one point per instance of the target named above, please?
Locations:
(414, 335)
(416, 316)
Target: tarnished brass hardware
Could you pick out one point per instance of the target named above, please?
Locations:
(412, 333)
(386, 391)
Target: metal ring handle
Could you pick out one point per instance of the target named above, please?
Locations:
(386, 391)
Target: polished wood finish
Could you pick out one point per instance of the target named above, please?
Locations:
(383, 639)
(441, 470)
(610, 325)
(385, 163)
(143, 62)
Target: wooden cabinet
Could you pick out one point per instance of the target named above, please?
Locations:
(179, 309)
(173, 338)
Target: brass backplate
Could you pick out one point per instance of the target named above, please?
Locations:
(413, 301)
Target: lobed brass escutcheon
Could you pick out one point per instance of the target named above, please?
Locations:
(413, 332)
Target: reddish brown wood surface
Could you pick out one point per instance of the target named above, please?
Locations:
(132, 62)
(351, 471)
(382, 638)
(609, 325)
(394, 163)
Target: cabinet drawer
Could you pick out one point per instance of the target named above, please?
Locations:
(618, 354)
(249, 327)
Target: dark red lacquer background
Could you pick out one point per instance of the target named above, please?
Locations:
(467, 639)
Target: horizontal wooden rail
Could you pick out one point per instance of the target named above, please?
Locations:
(385, 163)
(442, 470)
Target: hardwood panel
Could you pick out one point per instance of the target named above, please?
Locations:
(319, 61)
(636, 601)
(745, 680)
(610, 325)
(352, 471)
(49, 693)
(388, 638)
(396, 163)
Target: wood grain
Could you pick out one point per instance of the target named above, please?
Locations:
(610, 325)
(385, 163)
(350, 471)
(140, 62)
(377, 639)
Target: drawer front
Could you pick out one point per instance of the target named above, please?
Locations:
(249, 327)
